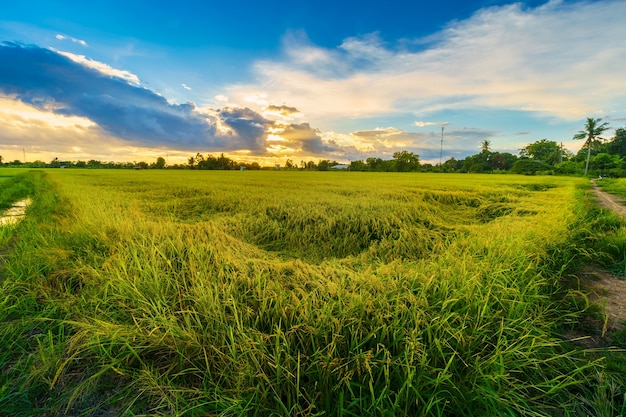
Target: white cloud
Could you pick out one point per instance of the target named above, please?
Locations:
(425, 124)
(75, 40)
(257, 98)
(548, 60)
(102, 67)
(185, 86)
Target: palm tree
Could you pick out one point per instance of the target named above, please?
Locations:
(593, 129)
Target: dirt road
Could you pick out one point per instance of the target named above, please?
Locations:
(606, 288)
(609, 201)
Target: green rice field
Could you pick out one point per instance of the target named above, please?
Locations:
(289, 293)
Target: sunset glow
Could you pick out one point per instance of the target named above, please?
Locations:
(511, 73)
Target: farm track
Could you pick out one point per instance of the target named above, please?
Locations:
(605, 288)
(609, 201)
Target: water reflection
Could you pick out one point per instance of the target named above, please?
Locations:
(15, 213)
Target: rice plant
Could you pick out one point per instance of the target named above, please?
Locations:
(297, 293)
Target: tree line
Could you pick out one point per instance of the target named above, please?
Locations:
(598, 156)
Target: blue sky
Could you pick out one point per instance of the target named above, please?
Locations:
(135, 80)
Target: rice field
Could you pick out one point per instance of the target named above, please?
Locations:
(300, 294)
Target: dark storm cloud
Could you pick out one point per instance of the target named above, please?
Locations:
(49, 80)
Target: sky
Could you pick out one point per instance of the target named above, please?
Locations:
(135, 80)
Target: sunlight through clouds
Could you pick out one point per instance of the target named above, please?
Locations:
(102, 67)
(17, 114)
(486, 76)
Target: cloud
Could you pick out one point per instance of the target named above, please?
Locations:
(102, 67)
(282, 110)
(249, 128)
(383, 142)
(93, 100)
(67, 85)
(64, 37)
(185, 86)
(544, 61)
(547, 60)
(380, 133)
(425, 124)
(308, 140)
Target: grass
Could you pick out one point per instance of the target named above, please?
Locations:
(615, 186)
(292, 293)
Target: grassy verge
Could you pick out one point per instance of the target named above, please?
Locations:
(615, 186)
(193, 293)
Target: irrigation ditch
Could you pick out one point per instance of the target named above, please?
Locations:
(15, 213)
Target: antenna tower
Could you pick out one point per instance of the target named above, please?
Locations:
(441, 150)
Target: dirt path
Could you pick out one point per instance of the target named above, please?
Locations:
(606, 289)
(609, 201)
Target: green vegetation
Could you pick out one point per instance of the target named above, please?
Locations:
(294, 293)
(615, 186)
(593, 129)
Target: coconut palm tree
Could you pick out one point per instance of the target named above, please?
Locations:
(593, 129)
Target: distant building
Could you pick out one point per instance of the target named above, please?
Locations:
(340, 166)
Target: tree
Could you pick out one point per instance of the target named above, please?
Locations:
(323, 165)
(543, 150)
(0, 159)
(406, 161)
(616, 146)
(452, 165)
(480, 162)
(485, 146)
(502, 161)
(593, 129)
(604, 162)
(224, 162)
(529, 166)
(93, 163)
(358, 165)
(160, 163)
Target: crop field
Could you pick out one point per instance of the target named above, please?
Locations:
(289, 293)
